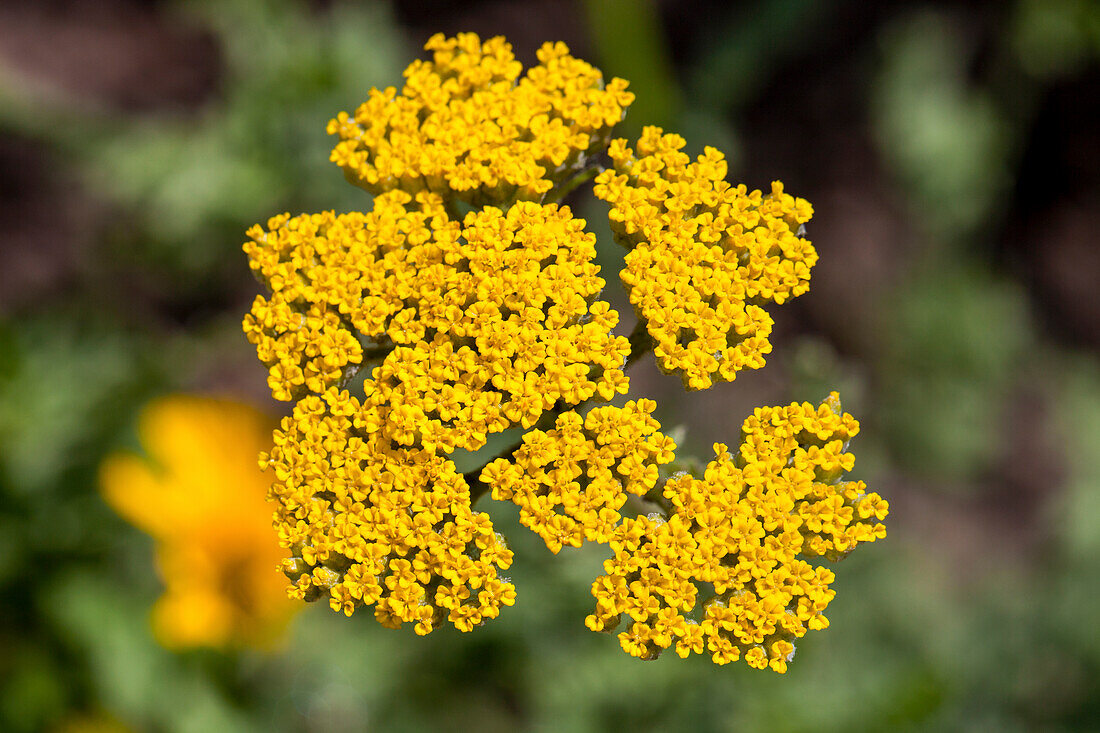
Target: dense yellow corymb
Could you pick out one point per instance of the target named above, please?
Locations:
(570, 482)
(467, 302)
(748, 529)
(704, 256)
(370, 523)
(466, 124)
(478, 325)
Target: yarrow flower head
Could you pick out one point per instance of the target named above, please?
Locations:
(466, 303)
(199, 495)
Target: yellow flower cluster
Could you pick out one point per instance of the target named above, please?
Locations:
(745, 529)
(570, 482)
(369, 523)
(466, 125)
(483, 324)
(704, 256)
(414, 331)
(201, 498)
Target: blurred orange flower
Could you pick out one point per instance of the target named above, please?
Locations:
(199, 493)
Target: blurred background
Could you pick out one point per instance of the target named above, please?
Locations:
(952, 154)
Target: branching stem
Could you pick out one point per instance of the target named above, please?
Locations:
(567, 187)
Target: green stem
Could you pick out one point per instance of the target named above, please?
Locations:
(450, 205)
(586, 174)
(640, 344)
(473, 477)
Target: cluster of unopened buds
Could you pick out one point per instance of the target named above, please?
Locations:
(466, 303)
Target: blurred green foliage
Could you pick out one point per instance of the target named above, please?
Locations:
(924, 636)
(256, 149)
(628, 36)
(946, 140)
(1055, 37)
(955, 337)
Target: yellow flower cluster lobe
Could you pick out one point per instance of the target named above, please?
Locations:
(571, 481)
(466, 124)
(705, 255)
(369, 523)
(746, 529)
(483, 324)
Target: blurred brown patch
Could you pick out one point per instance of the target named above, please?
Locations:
(1066, 268)
(50, 224)
(1054, 218)
(1030, 471)
(526, 25)
(129, 55)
